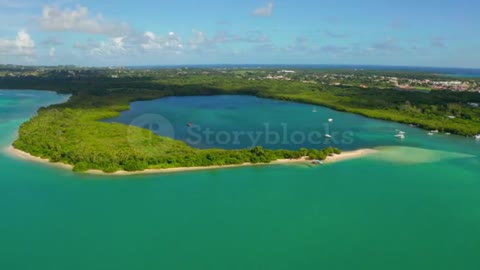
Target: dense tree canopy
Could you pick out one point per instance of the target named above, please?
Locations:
(72, 133)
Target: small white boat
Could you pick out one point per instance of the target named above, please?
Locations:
(401, 132)
(434, 131)
(477, 137)
(317, 162)
(314, 110)
(328, 136)
(448, 133)
(330, 120)
(430, 133)
(400, 136)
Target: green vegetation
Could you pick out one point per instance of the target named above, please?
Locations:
(71, 132)
(73, 136)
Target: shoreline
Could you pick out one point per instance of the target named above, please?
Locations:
(19, 154)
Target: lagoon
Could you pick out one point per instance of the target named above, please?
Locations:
(412, 206)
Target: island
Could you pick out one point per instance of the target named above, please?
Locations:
(72, 133)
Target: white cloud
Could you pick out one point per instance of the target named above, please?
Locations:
(22, 45)
(256, 37)
(150, 44)
(264, 11)
(171, 42)
(133, 44)
(198, 39)
(111, 47)
(52, 52)
(114, 46)
(79, 20)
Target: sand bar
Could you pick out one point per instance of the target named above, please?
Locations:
(13, 152)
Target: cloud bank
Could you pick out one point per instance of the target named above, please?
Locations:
(79, 20)
(21, 45)
(266, 11)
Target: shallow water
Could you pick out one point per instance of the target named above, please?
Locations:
(415, 205)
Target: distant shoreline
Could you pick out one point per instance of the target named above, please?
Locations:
(19, 154)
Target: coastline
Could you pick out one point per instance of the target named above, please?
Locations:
(19, 154)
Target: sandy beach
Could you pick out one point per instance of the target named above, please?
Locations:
(13, 152)
(19, 154)
(351, 155)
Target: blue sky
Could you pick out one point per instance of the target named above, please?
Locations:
(371, 32)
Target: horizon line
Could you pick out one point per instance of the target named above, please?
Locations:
(245, 64)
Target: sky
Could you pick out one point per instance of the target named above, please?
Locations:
(196, 32)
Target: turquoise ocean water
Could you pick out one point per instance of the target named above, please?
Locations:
(415, 205)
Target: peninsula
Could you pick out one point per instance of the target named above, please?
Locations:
(13, 152)
(71, 133)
